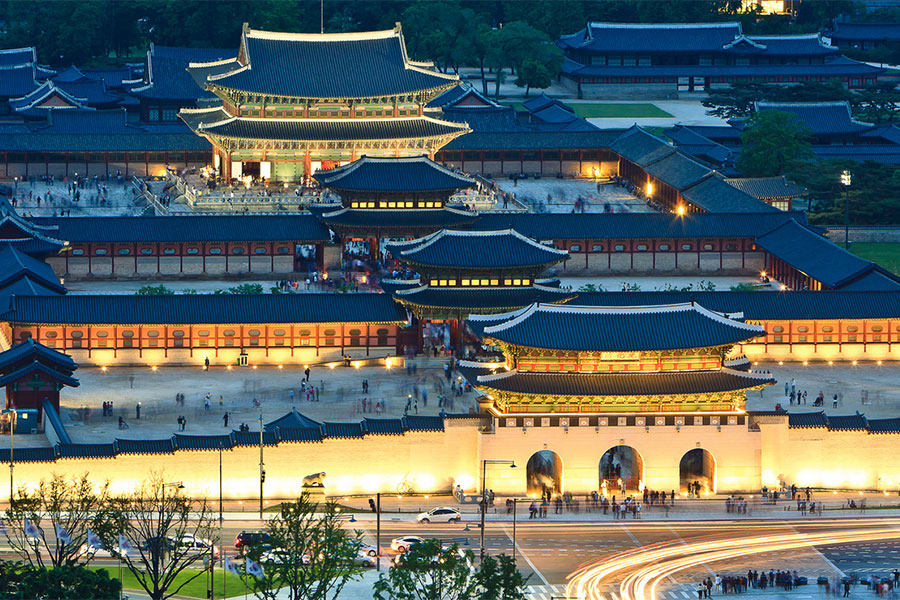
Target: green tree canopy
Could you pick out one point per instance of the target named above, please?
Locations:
(773, 143)
(71, 582)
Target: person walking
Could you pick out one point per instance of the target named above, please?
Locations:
(206, 403)
(306, 373)
(225, 418)
(137, 411)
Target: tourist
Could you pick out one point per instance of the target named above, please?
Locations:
(122, 423)
(137, 411)
(206, 402)
(225, 418)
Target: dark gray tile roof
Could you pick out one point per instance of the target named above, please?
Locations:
(166, 76)
(15, 83)
(678, 170)
(423, 423)
(783, 45)
(889, 154)
(631, 384)
(833, 67)
(345, 65)
(293, 420)
(554, 113)
(477, 299)
(532, 140)
(640, 146)
(767, 187)
(816, 420)
(389, 286)
(251, 438)
(820, 118)
(15, 264)
(884, 425)
(344, 430)
(333, 129)
(219, 228)
(202, 442)
(539, 102)
(384, 427)
(399, 218)
(853, 32)
(889, 134)
(402, 174)
(715, 195)
(855, 422)
(300, 434)
(39, 371)
(86, 450)
(502, 249)
(635, 226)
(875, 280)
(21, 455)
(163, 446)
(30, 350)
(13, 57)
(207, 308)
(763, 306)
(652, 37)
(620, 329)
(815, 255)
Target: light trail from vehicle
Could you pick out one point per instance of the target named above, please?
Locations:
(643, 569)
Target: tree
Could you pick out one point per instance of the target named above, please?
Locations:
(499, 579)
(154, 290)
(316, 555)
(58, 504)
(533, 74)
(154, 520)
(736, 101)
(773, 143)
(428, 571)
(69, 582)
(244, 288)
(878, 102)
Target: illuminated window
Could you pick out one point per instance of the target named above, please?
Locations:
(465, 282)
(50, 334)
(452, 282)
(102, 334)
(253, 333)
(484, 282)
(778, 329)
(153, 334)
(434, 282)
(517, 282)
(507, 282)
(203, 333)
(278, 332)
(687, 246)
(707, 246)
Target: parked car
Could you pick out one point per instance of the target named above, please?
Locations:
(247, 539)
(195, 545)
(441, 513)
(365, 560)
(279, 556)
(367, 549)
(403, 544)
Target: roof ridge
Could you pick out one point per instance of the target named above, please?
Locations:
(713, 25)
(285, 36)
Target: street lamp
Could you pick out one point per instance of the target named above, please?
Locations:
(175, 484)
(262, 467)
(846, 180)
(484, 464)
(11, 411)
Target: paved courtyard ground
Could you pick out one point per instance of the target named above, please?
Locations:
(551, 195)
(339, 398)
(120, 199)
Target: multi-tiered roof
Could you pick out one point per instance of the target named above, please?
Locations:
(562, 358)
(357, 92)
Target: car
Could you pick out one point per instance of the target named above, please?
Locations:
(365, 560)
(441, 513)
(247, 539)
(367, 549)
(90, 553)
(280, 557)
(403, 544)
(195, 545)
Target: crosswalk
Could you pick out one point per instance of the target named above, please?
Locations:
(607, 592)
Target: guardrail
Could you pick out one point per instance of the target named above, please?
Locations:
(144, 190)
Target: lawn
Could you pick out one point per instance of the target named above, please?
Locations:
(195, 589)
(886, 254)
(590, 110)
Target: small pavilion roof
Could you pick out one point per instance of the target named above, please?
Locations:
(621, 384)
(40, 94)
(767, 187)
(292, 420)
(619, 329)
(502, 249)
(28, 236)
(402, 174)
(330, 65)
(30, 351)
(15, 264)
(820, 118)
(38, 370)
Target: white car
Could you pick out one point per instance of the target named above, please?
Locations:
(442, 513)
(278, 556)
(367, 549)
(403, 544)
(365, 560)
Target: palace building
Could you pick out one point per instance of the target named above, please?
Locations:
(472, 272)
(294, 103)
(393, 198)
(565, 359)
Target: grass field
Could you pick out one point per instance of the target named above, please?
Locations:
(885, 254)
(590, 110)
(195, 589)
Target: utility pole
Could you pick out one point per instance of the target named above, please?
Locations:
(378, 529)
(221, 518)
(321, 16)
(515, 550)
(262, 467)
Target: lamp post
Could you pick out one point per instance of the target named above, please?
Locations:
(262, 467)
(220, 486)
(11, 411)
(846, 180)
(484, 464)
